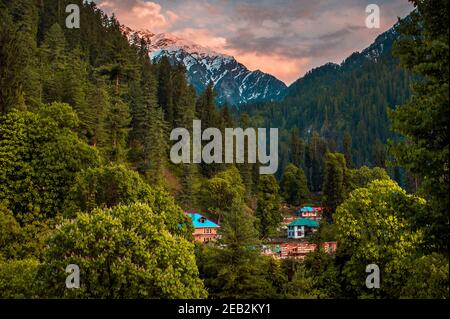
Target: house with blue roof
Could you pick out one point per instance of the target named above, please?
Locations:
(301, 227)
(204, 229)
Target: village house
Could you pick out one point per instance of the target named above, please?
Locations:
(299, 250)
(204, 229)
(296, 250)
(314, 213)
(301, 227)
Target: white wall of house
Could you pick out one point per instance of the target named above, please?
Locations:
(296, 232)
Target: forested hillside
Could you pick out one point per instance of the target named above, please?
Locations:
(345, 105)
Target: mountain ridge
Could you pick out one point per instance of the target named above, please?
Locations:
(233, 82)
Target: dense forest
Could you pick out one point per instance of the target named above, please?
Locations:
(85, 175)
(342, 108)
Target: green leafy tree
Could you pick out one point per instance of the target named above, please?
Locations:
(321, 266)
(362, 176)
(94, 124)
(428, 278)
(302, 284)
(25, 237)
(221, 191)
(9, 233)
(18, 279)
(268, 209)
(112, 185)
(123, 252)
(374, 227)
(39, 157)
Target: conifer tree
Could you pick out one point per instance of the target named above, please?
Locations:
(294, 188)
(379, 154)
(268, 209)
(237, 268)
(335, 184)
(11, 63)
(297, 148)
(423, 48)
(347, 143)
(165, 87)
(116, 125)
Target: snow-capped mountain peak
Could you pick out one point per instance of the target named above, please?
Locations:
(233, 82)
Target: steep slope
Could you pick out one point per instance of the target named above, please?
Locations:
(353, 96)
(233, 82)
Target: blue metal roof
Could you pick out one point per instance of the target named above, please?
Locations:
(201, 222)
(307, 209)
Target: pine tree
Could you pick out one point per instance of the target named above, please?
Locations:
(379, 154)
(335, 185)
(226, 116)
(11, 62)
(116, 125)
(207, 113)
(188, 195)
(347, 143)
(165, 88)
(423, 48)
(54, 63)
(98, 107)
(294, 187)
(316, 150)
(297, 148)
(25, 19)
(238, 266)
(246, 169)
(268, 209)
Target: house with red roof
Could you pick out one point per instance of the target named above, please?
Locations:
(314, 213)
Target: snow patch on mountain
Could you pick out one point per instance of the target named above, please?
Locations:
(233, 82)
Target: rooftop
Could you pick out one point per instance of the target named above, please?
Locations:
(304, 222)
(310, 209)
(201, 222)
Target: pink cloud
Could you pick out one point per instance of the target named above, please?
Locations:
(139, 14)
(202, 37)
(283, 40)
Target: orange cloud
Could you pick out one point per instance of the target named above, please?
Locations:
(284, 68)
(287, 69)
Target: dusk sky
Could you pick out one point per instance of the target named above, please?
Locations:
(285, 38)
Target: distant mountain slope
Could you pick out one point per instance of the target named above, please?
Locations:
(353, 96)
(233, 82)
